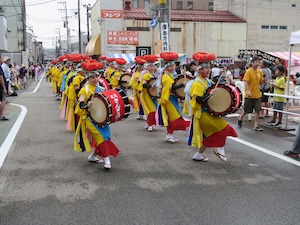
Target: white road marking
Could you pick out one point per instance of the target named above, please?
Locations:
(264, 150)
(12, 134)
(37, 86)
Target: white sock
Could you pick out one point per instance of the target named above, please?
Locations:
(169, 136)
(107, 160)
(198, 156)
(221, 150)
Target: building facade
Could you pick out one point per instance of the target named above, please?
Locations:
(17, 37)
(190, 31)
(16, 24)
(269, 22)
(175, 4)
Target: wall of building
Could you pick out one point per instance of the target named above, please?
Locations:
(259, 13)
(3, 34)
(219, 38)
(95, 19)
(197, 4)
(14, 24)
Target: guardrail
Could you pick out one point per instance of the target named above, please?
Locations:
(286, 112)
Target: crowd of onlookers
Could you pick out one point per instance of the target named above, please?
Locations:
(14, 77)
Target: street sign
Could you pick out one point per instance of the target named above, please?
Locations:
(143, 50)
(154, 22)
(164, 36)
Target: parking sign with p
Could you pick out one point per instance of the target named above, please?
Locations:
(143, 50)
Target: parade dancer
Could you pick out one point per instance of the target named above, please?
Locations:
(169, 112)
(134, 83)
(206, 130)
(115, 77)
(101, 135)
(149, 103)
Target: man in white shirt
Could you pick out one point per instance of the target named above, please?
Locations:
(215, 73)
(3, 92)
(5, 68)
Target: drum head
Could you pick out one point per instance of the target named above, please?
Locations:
(98, 111)
(153, 90)
(220, 101)
(125, 79)
(180, 91)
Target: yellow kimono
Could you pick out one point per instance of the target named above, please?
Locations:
(168, 110)
(114, 80)
(109, 72)
(101, 135)
(148, 104)
(134, 83)
(206, 129)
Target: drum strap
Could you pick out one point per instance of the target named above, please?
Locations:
(187, 92)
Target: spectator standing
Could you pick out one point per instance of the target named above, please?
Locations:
(22, 76)
(3, 93)
(279, 87)
(227, 76)
(17, 68)
(32, 68)
(6, 71)
(252, 79)
(37, 71)
(215, 73)
(193, 68)
(265, 88)
(295, 151)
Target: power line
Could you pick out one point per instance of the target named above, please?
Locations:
(40, 3)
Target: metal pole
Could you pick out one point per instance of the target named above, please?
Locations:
(288, 86)
(88, 21)
(24, 25)
(79, 28)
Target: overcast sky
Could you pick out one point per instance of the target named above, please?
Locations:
(45, 18)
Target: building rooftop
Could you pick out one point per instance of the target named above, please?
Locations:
(187, 15)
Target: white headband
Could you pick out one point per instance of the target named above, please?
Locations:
(203, 65)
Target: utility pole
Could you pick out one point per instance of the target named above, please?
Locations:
(88, 21)
(164, 9)
(66, 25)
(79, 28)
(24, 25)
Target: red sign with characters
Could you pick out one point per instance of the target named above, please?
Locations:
(123, 37)
(111, 14)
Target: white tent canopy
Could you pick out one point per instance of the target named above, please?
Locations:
(295, 38)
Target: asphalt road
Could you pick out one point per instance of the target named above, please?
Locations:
(43, 181)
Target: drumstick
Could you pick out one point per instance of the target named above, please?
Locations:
(184, 73)
(218, 81)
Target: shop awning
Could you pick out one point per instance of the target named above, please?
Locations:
(295, 60)
(93, 46)
(128, 57)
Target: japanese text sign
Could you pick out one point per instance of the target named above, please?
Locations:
(111, 14)
(164, 36)
(123, 37)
